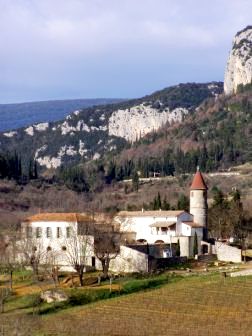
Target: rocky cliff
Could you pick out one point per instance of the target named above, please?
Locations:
(93, 132)
(239, 65)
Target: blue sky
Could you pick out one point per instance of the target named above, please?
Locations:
(59, 49)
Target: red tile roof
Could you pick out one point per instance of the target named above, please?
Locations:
(58, 217)
(198, 182)
(151, 213)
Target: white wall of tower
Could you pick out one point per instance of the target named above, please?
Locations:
(198, 206)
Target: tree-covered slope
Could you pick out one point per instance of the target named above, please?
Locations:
(92, 132)
(218, 135)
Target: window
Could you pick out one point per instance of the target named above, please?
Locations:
(29, 232)
(49, 249)
(191, 193)
(93, 261)
(38, 232)
(164, 230)
(68, 232)
(63, 248)
(59, 232)
(48, 232)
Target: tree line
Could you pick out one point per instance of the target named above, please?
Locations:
(12, 167)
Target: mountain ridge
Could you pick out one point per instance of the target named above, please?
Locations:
(90, 133)
(23, 114)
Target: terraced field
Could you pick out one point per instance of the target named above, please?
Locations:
(203, 305)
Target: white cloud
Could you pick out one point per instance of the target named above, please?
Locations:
(46, 42)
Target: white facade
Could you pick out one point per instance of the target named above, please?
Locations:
(56, 238)
(166, 227)
(128, 261)
(153, 226)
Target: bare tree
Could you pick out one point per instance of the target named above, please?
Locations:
(7, 264)
(32, 253)
(78, 247)
(106, 245)
(49, 268)
(4, 294)
(8, 254)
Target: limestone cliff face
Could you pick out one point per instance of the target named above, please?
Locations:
(239, 65)
(137, 121)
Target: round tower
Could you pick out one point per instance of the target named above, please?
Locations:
(198, 200)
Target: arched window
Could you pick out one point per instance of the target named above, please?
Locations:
(159, 242)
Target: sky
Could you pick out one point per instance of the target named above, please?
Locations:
(65, 49)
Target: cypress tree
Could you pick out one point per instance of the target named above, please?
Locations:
(135, 181)
(30, 172)
(178, 249)
(35, 170)
(195, 244)
(159, 202)
(165, 205)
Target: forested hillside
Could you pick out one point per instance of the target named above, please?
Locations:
(105, 130)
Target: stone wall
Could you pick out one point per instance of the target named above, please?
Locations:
(228, 253)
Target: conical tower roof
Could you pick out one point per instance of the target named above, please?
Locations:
(198, 182)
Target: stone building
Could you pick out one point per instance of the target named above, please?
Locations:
(58, 234)
(167, 227)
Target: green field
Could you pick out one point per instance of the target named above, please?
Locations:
(193, 305)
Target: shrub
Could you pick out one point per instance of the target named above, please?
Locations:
(137, 285)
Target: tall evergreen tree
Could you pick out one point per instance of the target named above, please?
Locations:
(178, 248)
(135, 181)
(195, 244)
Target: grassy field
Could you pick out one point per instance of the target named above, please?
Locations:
(194, 305)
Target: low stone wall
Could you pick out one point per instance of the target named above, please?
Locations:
(228, 253)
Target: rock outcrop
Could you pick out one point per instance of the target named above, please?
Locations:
(91, 133)
(137, 121)
(239, 66)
